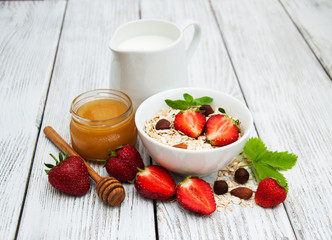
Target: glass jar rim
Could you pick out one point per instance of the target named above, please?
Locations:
(113, 92)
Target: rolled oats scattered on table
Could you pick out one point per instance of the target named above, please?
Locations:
(224, 201)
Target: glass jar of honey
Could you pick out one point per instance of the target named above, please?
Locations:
(101, 120)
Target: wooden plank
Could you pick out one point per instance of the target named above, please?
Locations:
(313, 19)
(83, 63)
(211, 67)
(274, 63)
(28, 41)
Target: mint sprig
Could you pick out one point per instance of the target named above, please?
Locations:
(265, 163)
(201, 101)
(177, 104)
(188, 98)
(222, 110)
(188, 102)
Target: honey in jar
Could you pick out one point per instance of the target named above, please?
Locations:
(101, 121)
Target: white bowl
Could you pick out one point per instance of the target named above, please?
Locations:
(193, 162)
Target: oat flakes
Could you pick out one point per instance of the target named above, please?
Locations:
(173, 137)
(224, 201)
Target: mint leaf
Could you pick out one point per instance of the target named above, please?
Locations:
(279, 160)
(202, 101)
(254, 147)
(221, 110)
(264, 170)
(189, 99)
(177, 104)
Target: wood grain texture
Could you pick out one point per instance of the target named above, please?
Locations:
(83, 63)
(211, 67)
(274, 63)
(28, 41)
(285, 86)
(314, 19)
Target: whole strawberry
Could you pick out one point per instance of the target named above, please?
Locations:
(269, 193)
(196, 195)
(123, 163)
(155, 182)
(70, 175)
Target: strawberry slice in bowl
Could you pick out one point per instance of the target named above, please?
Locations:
(221, 131)
(190, 123)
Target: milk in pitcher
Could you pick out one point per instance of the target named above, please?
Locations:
(150, 56)
(145, 43)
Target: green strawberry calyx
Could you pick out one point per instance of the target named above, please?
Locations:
(112, 154)
(57, 162)
(186, 180)
(117, 148)
(138, 173)
(265, 163)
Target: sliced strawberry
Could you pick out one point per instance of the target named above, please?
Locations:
(155, 182)
(220, 131)
(190, 123)
(196, 195)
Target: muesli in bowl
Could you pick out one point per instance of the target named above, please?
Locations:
(193, 124)
(204, 159)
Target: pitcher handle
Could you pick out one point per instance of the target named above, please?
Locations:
(195, 39)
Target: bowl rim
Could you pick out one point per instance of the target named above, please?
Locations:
(180, 150)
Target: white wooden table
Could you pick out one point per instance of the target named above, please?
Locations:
(274, 55)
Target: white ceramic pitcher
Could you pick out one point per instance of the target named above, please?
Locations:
(150, 56)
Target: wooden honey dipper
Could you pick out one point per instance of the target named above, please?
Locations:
(109, 190)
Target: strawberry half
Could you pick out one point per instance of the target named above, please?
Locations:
(220, 131)
(155, 182)
(190, 123)
(70, 175)
(269, 193)
(196, 195)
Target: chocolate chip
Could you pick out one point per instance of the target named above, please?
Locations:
(241, 175)
(163, 124)
(220, 187)
(207, 110)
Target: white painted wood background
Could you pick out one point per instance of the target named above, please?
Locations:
(29, 35)
(276, 56)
